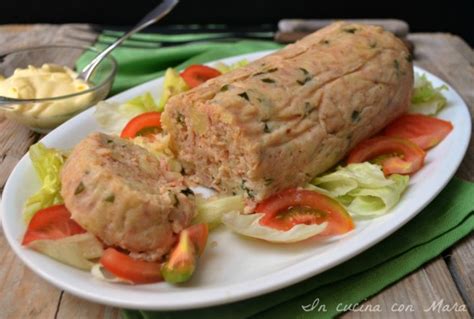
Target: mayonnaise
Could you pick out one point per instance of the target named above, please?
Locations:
(48, 81)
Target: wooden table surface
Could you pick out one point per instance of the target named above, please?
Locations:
(448, 279)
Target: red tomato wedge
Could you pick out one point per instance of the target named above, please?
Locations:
(198, 234)
(197, 74)
(51, 223)
(182, 259)
(148, 120)
(424, 131)
(125, 267)
(409, 157)
(299, 206)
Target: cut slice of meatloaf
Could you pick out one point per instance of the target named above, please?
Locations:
(289, 116)
(125, 196)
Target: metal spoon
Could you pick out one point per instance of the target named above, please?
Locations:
(153, 16)
(156, 14)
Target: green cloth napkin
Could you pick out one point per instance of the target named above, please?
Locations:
(446, 220)
(138, 65)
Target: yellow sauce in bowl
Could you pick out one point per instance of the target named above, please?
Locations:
(50, 80)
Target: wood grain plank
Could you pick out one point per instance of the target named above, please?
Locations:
(437, 280)
(24, 295)
(460, 263)
(461, 46)
(457, 70)
(72, 307)
(14, 37)
(15, 140)
(17, 282)
(433, 50)
(460, 258)
(413, 296)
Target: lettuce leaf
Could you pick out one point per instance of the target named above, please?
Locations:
(173, 84)
(377, 201)
(210, 211)
(362, 188)
(141, 104)
(348, 178)
(225, 68)
(427, 99)
(248, 225)
(112, 117)
(77, 250)
(47, 163)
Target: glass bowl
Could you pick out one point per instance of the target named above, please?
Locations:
(65, 106)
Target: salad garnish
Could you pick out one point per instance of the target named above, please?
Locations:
(47, 163)
(411, 159)
(362, 188)
(372, 182)
(286, 209)
(426, 98)
(425, 131)
(249, 225)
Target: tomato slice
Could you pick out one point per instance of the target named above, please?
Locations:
(51, 223)
(425, 131)
(299, 206)
(409, 157)
(125, 267)
(145, 121)
(183, 258)
(198, 234)
(197, 74)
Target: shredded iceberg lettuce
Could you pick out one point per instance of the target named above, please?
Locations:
(47, 163)
(225, 68)
(362, 188)
(249, 225)
(427, 99)
(173, 84)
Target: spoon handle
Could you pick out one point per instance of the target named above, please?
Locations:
(153, 16)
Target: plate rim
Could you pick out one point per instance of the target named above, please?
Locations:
(232, 292)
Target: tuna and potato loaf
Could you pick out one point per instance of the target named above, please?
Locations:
(281, 120)
(126, 196)
(271, 125)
